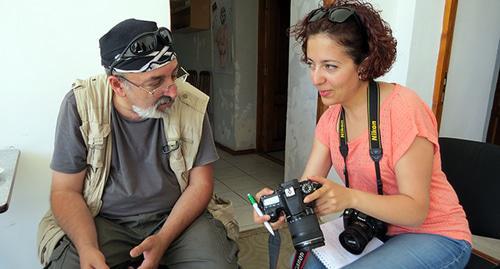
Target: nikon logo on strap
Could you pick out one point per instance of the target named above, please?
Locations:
(342, 129)
(373, 132)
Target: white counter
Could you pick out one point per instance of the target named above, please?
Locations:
(8, 162)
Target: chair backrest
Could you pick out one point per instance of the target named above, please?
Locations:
(473, 169)
(205, 82)
(193, 78)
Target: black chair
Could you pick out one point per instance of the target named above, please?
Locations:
(473, 169)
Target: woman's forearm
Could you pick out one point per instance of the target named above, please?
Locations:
(398, 209)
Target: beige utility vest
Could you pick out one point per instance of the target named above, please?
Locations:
(183, 130)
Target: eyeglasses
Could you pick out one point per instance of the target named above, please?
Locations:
(335, 15)
(143, 45)
(180, 74)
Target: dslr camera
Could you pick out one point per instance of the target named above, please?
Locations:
(302, 221)
(359, 229)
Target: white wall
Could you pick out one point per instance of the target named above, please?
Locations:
(235, 93)
(45, 46)
(473, 70)
(424, 48)
(245, 69)
(302, 98)
(416, 25)
(399, 16)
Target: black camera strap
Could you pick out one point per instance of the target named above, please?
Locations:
(373, 95)
(300, 259)
(273, 247)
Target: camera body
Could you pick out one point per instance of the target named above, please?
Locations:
(359, 229)
(302, 222)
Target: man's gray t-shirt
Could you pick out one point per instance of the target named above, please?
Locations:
(140, 179)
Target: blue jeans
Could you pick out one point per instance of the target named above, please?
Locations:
(411, 251)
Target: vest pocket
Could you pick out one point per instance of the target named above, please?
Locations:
(177, 161)
(97, 140)
(177, 147)
(48, 236)
(59, 250)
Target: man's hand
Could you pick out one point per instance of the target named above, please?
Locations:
(153, 248)
(92, 258)
(195, 197)
(73, 215)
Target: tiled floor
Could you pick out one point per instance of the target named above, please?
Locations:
(235, 176)
(279, 155)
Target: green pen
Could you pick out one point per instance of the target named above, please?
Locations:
(259, 212)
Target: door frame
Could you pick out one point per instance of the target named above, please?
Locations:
(493, 125)
(443, 62)
(260, 77)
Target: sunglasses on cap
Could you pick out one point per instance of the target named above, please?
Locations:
(335, 14)
(143, 45)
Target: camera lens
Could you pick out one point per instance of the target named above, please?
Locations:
(355, 237)
(306, 233)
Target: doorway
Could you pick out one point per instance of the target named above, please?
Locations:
(272, 81)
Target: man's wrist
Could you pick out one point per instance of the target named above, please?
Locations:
(84, 247)
(165, 237)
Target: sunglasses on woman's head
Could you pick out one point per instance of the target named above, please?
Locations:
(335, 14)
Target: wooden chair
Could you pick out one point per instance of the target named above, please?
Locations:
(193, 78)
(473, 169)
(205, 83)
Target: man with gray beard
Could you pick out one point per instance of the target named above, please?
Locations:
(132, 173)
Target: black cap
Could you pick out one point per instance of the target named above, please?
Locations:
(115, 40)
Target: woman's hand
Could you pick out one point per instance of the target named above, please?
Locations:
(331, 197)
(257, 219)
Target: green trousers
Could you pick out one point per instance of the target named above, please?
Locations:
(204, 244)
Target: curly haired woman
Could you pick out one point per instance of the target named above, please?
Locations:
(390, 158)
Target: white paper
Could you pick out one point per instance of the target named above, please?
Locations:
(333, 254)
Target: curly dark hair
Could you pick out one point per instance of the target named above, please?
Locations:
(370, 45)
